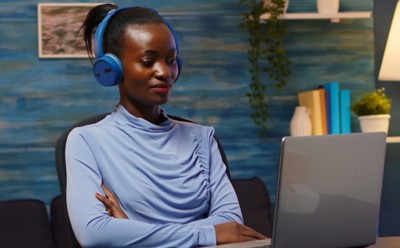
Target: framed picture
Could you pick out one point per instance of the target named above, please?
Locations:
(59, 29)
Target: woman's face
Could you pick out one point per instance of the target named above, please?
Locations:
(149, 66)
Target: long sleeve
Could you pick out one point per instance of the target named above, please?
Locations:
(170, 180)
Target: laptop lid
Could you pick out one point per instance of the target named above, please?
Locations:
(329, 190)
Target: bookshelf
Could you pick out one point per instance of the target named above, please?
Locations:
(335, 18)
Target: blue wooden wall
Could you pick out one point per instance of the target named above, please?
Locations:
(39, 98)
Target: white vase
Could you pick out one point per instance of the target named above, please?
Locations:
(328, 6)
(374, 123)
(300, 124)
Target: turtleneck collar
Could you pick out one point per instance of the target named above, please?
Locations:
(123, 117)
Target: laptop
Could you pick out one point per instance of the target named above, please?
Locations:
(328, 192)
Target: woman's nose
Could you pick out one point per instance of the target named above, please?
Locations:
(164, 70)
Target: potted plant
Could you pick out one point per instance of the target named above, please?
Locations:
(373, 111)
(266, 54)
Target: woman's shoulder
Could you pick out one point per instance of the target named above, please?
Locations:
(90, 126)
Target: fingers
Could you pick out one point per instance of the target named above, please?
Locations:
(113, 209)
(109, 193)
(232, 232)
(107, 202)
(109, 205)
(106, 190)
(250, 232)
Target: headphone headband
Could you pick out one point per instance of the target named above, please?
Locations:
(98, 35)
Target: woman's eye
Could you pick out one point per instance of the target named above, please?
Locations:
(171, 60)
(147, 62)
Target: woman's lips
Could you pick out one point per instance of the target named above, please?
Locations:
(161, 88)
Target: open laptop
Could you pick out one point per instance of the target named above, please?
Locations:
(328, 192)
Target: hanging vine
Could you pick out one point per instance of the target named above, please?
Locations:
(265, 44)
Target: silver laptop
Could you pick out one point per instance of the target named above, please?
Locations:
(328, 193)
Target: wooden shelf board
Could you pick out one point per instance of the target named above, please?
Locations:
(314, 16)
(394, 139)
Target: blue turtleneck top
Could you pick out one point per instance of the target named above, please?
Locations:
(169, 180)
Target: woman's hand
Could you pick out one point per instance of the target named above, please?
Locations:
(111, 203)
(232, 232)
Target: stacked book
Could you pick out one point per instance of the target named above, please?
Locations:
(329, 109)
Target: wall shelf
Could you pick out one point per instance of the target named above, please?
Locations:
(315, 16)
(394, 139)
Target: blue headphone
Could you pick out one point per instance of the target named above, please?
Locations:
(107, 68)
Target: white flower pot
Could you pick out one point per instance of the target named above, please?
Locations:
(374, 123)
(328, 6)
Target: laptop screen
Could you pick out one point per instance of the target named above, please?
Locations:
(329, 190)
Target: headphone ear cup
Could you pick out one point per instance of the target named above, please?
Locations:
(108, 70)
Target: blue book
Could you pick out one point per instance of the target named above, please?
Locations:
(327, 110)
(332, 93)
(345, 121)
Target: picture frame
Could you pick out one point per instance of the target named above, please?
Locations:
(59, 33)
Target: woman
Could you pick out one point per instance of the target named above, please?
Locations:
(138, 178)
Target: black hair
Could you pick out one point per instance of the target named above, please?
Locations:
(116, 26)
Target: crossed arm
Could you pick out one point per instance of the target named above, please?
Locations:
(229, 232)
